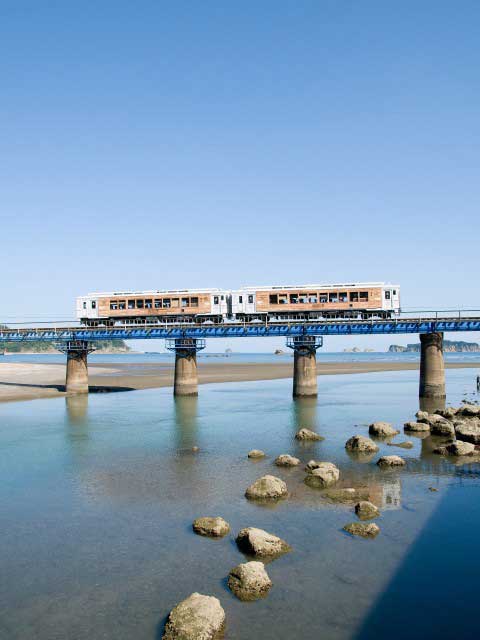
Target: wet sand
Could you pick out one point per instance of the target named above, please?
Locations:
(27, 381)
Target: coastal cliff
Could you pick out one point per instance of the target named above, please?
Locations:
(457, 346)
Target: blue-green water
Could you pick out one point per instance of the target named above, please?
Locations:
(97, 497)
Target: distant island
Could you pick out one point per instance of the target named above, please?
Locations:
(457, 346)
(37, 346)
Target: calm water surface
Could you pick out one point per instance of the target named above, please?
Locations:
(97, 497)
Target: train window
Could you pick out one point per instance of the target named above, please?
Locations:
(323, 298)
(223, 298)
(122, 305)
(273, 298)
(148, 303)
(240, 299)
(282, 298)
(250, 299)
(303, 299)
(157, 304)
(353, 296)
(294, 298)
(215, 299)
(131, 304)
(166, 303)
(387, 295)
(113, 305)
(394, 292)
(364, 296)
(94, 304)
(175, 302)
(312, 298)
(343, 296)
(139, 304)
(333, 296)
(185, 302)
(84, 304)
(194, 302)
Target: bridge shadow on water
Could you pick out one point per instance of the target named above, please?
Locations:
(434, 592)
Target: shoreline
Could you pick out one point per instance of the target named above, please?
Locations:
(27, 381)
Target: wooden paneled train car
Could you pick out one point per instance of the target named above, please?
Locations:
(249, 304)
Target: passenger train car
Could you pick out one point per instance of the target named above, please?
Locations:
(249, 304)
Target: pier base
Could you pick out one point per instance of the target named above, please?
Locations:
(432, 366)
(304, 365)
(77, 351)
(186, 375)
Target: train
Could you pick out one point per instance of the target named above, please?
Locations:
(308, 302)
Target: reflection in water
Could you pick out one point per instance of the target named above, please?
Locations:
(432, 405)
(305, 413)
(186, 414)
(77, 406)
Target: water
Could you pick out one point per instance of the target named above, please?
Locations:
(97, 497)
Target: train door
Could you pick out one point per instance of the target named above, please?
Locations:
(388, 299)
(249, 302)
(219, 304)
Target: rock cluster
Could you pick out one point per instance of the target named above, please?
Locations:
(267, 488)
(260, 543)
(214, 527)
(198, 617)
(249, 581)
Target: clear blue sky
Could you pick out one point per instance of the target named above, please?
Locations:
(182, 144)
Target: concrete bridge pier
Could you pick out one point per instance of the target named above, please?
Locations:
(186, 374)
(305, 364)
(77, 351)
(432, 366)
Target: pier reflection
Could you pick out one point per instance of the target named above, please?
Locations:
(186, 422)
(77, 408)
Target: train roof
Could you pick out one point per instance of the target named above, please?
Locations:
(101, 294)
(341, 285)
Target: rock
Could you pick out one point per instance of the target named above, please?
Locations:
(347, 494)
(470, 410)
(267, 488)
(258, 542)
(421, 416)
(312, 464)
(444, 428)
(449, 412)
(286, 460)
(468, 433)
(391, 461)
(214, 527)
(370, 530)
(306, 434)
(366, 510)
(457, 448)
(198, 617)
(323, 475)
(432, 489)
(416, 426)
(404, 445)
(361, 444)
(382, 430)
(195, 449)
(256, 453)
(249, 581)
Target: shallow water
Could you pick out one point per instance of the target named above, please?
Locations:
(97, 497)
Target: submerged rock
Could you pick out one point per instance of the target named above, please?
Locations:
(382, 430)
(323, 475)
(267, 488)
(306, 434)
(366, 510)
(361, 444)
(363, 529)
(285, 460)
(198, 617)
(214, 527)
(457, 448)
(258, 542)
(256, 453)
(347, 494)
(249, 581)
(404, 445)
(391, 461)
(468, 432)
(416, 426)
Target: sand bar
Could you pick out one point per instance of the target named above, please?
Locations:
(28, 381)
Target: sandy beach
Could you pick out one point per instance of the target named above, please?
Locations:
(27, 381)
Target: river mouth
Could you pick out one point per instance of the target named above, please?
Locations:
(99, 493)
